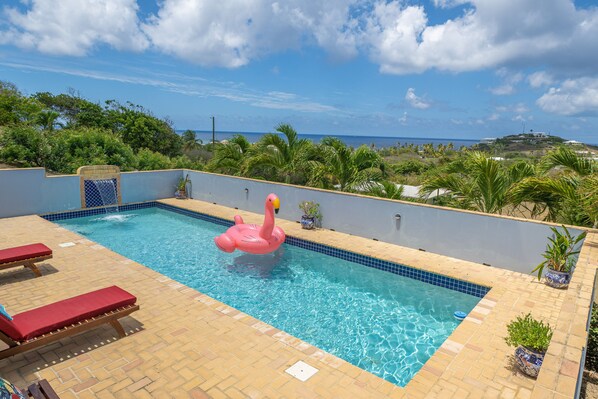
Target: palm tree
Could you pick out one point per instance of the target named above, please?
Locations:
(386, 189)
(572, 163)
(230, 157)
(337, 165)
(477, 182)
(588, 191)
(47, 120)
(278, 159)
(190, 141)
(565, 191)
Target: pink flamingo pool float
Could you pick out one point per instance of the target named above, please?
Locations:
(253, 238)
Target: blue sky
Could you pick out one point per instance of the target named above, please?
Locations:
(437, 68)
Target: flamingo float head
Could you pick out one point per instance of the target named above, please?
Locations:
(274, 200)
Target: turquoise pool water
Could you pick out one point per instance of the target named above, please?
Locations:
(384, 323)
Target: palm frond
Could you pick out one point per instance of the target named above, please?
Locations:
(567, 158)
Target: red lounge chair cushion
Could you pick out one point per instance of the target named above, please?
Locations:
(36, 322)
(8, 328)
(24, 252)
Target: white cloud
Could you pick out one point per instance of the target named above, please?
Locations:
(503, 90)
(403, 119)
(518, 118)
(234, 32)
(448, 3)
(395, 34)
(510, 81)
(73, 27)
(494, 117)
(539, 79)
(487, 35)
(415, 101)
(573, 97)
(193, 86)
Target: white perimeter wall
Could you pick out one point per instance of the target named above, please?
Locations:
(30, 191)
(148, 186)
(501, 242)
(505, 243)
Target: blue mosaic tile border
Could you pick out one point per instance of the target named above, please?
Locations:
(402, 270)
(95, 211)
(195, 215)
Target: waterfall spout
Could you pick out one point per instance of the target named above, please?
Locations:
(107, 190)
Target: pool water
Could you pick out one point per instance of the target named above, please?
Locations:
(384, 323)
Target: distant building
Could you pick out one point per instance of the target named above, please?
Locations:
(572, 142)
(488, 140)
(539, 134)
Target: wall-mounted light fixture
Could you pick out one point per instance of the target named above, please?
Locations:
(397, 218)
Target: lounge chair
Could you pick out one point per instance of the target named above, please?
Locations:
(26, 255)
(41, 390)
(38, 327)
(38, 390)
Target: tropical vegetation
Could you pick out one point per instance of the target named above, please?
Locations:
(65, 131)
(541, 178)
(592, 350)
(561, 251)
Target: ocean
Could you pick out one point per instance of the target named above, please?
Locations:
(352, 141)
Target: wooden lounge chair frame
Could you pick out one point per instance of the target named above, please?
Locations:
(41, 390)
(15, 347)
(27, 263)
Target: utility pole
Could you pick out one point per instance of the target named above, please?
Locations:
(213, 133)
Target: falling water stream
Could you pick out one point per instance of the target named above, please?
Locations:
(107, 190)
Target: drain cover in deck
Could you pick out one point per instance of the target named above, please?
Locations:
(301, 371)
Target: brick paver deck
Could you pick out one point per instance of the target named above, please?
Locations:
(185, 344)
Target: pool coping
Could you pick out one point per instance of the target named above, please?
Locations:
(565, 350)
(474, 359)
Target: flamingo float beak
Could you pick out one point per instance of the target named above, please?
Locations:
(276, 204)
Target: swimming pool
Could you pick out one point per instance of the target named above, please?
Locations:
(387, 324)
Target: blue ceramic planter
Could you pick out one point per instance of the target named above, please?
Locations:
(308, 223)
(557, 279)
(529, 361)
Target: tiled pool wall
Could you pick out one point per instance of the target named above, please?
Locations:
(402, 270)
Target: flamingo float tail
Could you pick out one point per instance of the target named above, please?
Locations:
(225, 243)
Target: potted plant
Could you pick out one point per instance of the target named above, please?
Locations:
(559, 257)
(531, 338)
(181, 188)
(311, 214)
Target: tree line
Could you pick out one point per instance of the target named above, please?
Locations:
(561, 186)
(62, 132)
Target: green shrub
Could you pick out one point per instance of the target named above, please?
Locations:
(14, 107)
(74, 148)
(528, 332)
(592, 349)
(150, 160)
(409, 167)
(183, 162)
(24, 146)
